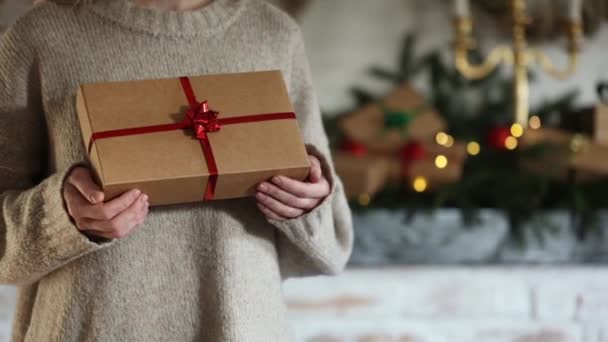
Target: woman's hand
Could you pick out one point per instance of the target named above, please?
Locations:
(115, 219)
(283, 198)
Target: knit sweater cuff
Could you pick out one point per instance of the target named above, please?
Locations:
(305, 229)
(63, 239)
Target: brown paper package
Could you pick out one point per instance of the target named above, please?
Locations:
(559, 163)
(170, 166)
(361, 175)
(601, 124)
(367, 124)
(426, 168)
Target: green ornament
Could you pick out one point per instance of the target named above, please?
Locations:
(399, 119)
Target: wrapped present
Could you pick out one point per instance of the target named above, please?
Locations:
(590, 157)
(591, 121)
(386, 126)
(436, 164)
(565, 155)
(191, 138)
(456, 153)
(600, 129)
(554, 160)
(363, 175)
(425, 170)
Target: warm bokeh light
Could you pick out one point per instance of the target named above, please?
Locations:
(442, 138)
(473, 148)
(535, 122)
(441, 161)
(517, 130)
(450, 141)
(578, 143)
(420, 184)
(511, 143)
(364, 200)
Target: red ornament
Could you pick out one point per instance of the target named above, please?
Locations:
(354, 148)
(497, 137)
(413, 151)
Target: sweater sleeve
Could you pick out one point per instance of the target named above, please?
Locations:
(320, 242)
(36, 232)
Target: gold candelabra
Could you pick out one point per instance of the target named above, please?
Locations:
(519, 55)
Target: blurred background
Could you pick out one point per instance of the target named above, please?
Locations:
(473, 145)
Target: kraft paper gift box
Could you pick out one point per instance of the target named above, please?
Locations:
(591, 121)
(585, 162)
(362, 176)
(191, 139)
(425, 168)
(386, 126)
(600, 129)
(418, 159)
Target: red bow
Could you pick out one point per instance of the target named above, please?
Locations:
(203, 120)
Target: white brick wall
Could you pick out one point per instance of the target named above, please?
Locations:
(7, 305)
(452, 304)
(449, 330)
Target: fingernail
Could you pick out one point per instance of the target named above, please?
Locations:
(263, 187)
(277, 180)
(144, 198)
(96, 197)
(259, 195)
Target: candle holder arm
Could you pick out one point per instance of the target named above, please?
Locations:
(471, 71)
(550, 68)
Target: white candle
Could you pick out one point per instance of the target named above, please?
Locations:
(462, 8)
(575, 10)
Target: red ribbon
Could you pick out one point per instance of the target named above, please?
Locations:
(411, 152)
(202, 120)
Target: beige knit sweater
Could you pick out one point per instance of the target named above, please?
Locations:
(200, 272)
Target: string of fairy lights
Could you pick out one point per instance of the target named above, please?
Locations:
(420, 183)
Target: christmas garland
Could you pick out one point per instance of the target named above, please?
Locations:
(496, 174)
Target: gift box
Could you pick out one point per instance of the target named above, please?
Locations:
(566, 155)
(190, 139)
(600, 132)
(440, 164)
(361, 175)
(554, 160)
(426, 169)
(590, 121)
(456, 153)
(387, 125)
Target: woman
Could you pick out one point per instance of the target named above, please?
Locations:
(95, 270)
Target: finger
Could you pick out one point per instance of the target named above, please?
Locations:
(100, 228)
(96, 233)
(107, 211)
(278, 207)
(316, 173)
(287, 198)
(82, 180)
(302, 189)
(75, 202)
(124, 223)
(269, 213)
